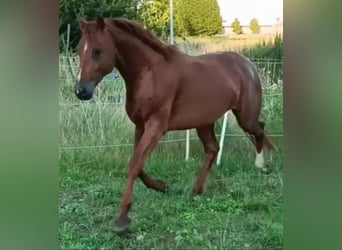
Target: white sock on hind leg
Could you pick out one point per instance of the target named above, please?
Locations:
(259, 160)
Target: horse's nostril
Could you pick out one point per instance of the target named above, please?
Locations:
(82, 93)
(79, 90)
(84, 90)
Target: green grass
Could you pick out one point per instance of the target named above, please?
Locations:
(240, 208)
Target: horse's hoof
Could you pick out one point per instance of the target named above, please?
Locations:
(197, 191)
(121, 224)
(162, 186)
(266, 169)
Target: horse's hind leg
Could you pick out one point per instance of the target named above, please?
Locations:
(157, 185)
(250, 124)
(211, 148)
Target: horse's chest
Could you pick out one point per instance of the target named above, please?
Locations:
(143, 100)
(138, 110)
(134, 113)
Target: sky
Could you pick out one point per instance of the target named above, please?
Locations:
(266, 11)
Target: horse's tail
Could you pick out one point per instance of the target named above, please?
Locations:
(267, 143)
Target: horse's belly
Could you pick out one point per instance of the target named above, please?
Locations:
(189, 121)
(196, 114)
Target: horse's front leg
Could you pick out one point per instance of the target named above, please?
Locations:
(149, 182)
(153, 131)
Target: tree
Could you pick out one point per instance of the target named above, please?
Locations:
(191, 17)
(155, 16)
(181, 18)
(236, 27)
(254, 26)
(198, 17)
(70, 11)
(212, 18)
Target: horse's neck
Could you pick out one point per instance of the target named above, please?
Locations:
(132, 59)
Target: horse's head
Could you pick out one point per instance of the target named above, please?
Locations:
(97, 56)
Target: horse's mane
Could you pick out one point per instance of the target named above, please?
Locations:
(146, 36)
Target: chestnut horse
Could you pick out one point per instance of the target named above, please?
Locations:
(169, 90)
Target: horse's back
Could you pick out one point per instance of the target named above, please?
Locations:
(233, 62)
(238, 70)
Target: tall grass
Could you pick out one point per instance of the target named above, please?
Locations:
(272, 49)
(230, 42)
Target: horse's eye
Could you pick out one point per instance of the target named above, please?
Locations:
(96, 53)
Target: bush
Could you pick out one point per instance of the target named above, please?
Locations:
(254, 26)
(272, 49)
(237, 27)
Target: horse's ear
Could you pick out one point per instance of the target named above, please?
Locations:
(100, 22)
(83, 24)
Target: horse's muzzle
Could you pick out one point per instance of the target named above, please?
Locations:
(84, 90)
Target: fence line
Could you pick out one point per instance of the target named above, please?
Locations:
(223, 132)
(122, 103)
(68, 65)
(166, 141)
(75, 58)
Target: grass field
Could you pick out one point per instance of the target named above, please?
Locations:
(240, 208)
(226, 42)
